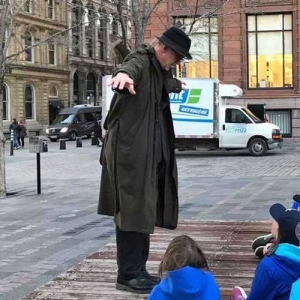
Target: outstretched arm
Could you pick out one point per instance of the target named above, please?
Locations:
(128, 75)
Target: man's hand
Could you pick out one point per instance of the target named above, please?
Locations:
(121, 81)
(183, 85)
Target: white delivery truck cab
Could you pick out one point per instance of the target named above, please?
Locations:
(203, 120)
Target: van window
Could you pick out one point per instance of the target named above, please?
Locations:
(64, 119)
(235, 116)
(98, 116)
(89, 117)
(78, 118)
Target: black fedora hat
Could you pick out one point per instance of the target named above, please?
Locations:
(177, 40)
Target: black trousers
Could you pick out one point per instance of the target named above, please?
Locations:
(19, 141)
(132, 253)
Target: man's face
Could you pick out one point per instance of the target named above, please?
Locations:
(167, 57)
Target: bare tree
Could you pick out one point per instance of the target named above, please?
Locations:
(136, 12)
(8, 9)
(139, 12)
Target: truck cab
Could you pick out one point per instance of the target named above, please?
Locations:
(239, 128)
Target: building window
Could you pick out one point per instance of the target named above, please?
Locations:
(29, 102)
(270, 55)
(204, 47)
(28, 46)
(28, 6)
(102, 33)
(5, 101)
(52, 53)
(53, 92)
(283, 119)
(77, 17)
(91, 88)
(90, 21)
(115, 25)
(51, 9)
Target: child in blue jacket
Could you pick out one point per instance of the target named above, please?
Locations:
(262, 243)
(295, 293)
(184, 273)
(280, 268)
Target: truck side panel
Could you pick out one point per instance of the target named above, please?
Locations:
(193, 110)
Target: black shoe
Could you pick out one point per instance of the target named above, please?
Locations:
(259, 251)
(262, 241)
(154, 279)
(138, 285)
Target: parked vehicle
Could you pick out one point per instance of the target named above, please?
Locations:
(203, 120)
(80, 120)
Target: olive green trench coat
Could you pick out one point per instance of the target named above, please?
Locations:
(139, 135)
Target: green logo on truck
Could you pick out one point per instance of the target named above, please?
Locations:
(194, 96)
(190, 96)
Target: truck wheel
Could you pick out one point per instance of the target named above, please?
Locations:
(73, 135)
(258, 147)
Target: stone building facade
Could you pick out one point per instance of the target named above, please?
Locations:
(66, 69)
(94, 48)
(37, 81)
(251, 43)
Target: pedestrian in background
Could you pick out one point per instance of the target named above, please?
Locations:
(22, 133)
(14, 126)
(185, 273)
(139, 184)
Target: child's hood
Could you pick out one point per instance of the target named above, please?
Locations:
(288, 259)
(188, 283)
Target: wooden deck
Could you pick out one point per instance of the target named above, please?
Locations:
(227, 246)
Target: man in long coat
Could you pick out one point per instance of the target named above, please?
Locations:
(139, 172)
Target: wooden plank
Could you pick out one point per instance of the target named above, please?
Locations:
(227, 245)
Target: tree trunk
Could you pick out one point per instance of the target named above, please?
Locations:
(2, 146)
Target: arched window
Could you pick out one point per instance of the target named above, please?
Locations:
(53, 91)
(28, 44)
(5, 101)
(29, 102)
(102, 34)
(91, 88)
(77, 16)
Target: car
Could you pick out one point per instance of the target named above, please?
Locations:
(77, 121)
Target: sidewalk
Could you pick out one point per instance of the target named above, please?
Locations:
(226, 245)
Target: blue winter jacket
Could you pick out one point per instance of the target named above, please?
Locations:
(295, 293)
(186, 284)
(275, 274)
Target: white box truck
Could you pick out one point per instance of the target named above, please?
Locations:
(203, 120)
